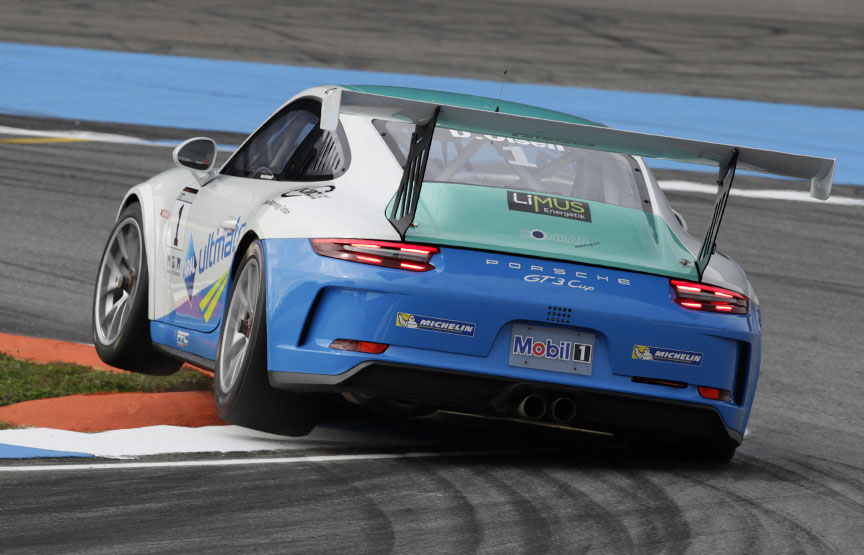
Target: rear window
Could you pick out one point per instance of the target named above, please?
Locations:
(459, 156)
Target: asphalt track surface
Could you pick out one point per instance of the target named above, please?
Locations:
(797, 484)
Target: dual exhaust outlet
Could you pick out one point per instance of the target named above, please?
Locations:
(535, 407)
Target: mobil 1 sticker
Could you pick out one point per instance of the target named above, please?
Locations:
(555, 349)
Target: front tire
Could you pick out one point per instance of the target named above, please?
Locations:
(241, 388)
(121, 328)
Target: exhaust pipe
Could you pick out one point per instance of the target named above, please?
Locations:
(563, 409)
(532, 406)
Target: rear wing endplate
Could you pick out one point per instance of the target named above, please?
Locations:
(427, 115)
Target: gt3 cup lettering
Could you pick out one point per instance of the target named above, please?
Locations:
(573, 283)
(540, 278)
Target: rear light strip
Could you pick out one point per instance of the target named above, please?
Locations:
(712, 393)
(359, 346)
(414, 258)
(698, 296)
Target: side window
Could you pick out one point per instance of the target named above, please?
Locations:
(292, 147)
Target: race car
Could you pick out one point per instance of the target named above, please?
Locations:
(424, 253)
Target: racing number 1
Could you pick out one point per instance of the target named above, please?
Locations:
(581, 352)
(177, 230)
(519, 158)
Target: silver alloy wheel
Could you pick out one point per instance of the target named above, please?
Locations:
(238, 325)
(116, 284)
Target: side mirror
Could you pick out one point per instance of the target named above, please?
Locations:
(198, 155)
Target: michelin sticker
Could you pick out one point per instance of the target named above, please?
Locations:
(430, 323)
(644, 352)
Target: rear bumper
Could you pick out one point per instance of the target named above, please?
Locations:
(313, 300)
(446, 390)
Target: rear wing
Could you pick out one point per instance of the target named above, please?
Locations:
(427, 115)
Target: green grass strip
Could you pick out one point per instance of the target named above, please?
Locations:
(22, 380)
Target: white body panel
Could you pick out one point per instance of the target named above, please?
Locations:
(352, 205)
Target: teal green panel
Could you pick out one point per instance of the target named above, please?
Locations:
(480, 218)
(469, 101)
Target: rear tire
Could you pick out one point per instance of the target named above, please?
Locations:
(241, 389)
(121, 328)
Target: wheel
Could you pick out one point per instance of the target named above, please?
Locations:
(121, 328)
(241, 389)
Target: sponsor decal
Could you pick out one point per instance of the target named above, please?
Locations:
(174, 265)
(644, 352)
(431, 323)
(549, 206)
(525, 345)
(541, 235)
(187, 194)
(310, 191)
(219, 245)
(182, 339)
(278, 206)
(212, 296)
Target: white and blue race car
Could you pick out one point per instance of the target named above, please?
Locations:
(426, 252)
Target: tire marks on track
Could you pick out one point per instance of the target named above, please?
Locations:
(777, 531)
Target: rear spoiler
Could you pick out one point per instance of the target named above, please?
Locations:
(427, 115)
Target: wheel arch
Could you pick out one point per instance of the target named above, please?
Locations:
(248, 238)
(143, 196)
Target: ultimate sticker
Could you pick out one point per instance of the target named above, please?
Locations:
(644, 352)
(430, 323)
(549, 206)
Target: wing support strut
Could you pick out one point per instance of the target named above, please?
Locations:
(408, 194)
(724, 182)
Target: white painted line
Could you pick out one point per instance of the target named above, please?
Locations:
(161, 440)
(778, 194)
(248, 462)
(99, 137)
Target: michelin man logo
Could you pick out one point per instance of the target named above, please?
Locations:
(642, 352)
(405, 320)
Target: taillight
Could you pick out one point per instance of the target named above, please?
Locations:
(698, 296)
(403, 256)
(714, 393)
(359, 346)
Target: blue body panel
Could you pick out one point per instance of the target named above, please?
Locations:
(313, 300)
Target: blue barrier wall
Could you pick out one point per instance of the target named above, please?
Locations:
(196, 93)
